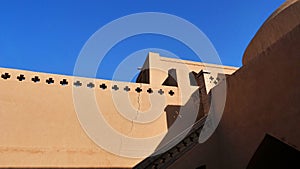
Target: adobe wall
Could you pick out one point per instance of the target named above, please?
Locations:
(39, 126)
(282, 21)
(263, 97)
(155, 70)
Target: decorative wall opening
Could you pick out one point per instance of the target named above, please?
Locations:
(161, 92)
(127, 89)
(36, 79)
(103, 86)
(21, 77)
(50, 81)
(5, 76)
(150, 91)
(171, 93)
(64, 82)
(77, 83)
(138, 89)
(115, 87)
(171, 79)
(90, 85)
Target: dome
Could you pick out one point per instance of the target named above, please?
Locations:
(280, 23)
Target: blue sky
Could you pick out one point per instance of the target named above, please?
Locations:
(47, 36)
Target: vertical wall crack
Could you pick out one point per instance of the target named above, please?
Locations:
(138, 109)
(139, 103)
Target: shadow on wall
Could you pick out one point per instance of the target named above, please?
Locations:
(275, 154)
(198, 98)
(198, 105)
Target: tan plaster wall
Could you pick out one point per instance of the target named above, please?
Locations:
(159, 67)
(39, 126)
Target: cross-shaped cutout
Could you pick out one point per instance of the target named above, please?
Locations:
(115, 87)
(21, 77)
(211, 78)
(215, 82)
(150, 90)
(103, 86)
(35, 79)
(218, 78)
(127, 89)
(5, 76)
(138, 89)
(160, 91)
(64, 82)
(171, 92)
(77, 83)
(90, 85)
(50, 81)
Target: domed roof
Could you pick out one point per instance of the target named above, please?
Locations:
(280, 23)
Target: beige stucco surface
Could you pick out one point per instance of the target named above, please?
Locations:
(39, 122)
(39, 126)
(159, 66)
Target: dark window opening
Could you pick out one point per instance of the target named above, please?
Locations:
(193, 80)
(171, 80)
(171, 92)
(5, 76)
(150, 91)
(115, 87)
(160, 91)
(50, 81)
(90, 85)
(197, 79)
(127, 89)
(21, 77)
(138, 89)
(143, 76)
(36, 79)
(103, 86)
(64, 82)
(77, 83)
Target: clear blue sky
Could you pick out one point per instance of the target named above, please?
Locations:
(47, 36)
